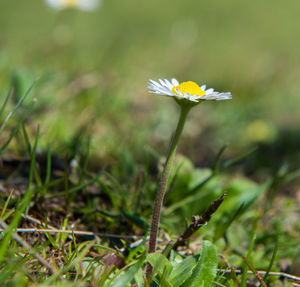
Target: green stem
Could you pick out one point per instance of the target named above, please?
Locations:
(164, 179)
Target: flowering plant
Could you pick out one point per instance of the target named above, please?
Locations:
(187, 95)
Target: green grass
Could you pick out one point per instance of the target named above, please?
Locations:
(250, 228)
(82, 149)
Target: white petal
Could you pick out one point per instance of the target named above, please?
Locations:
(174, 82)
(55, 4)
(179, 97)
(203, 87)
(193, 99)
(170, 86)
(166, 84)
(224, 96)
(166, 90)
(161, 82)
(158, 91)
(155, 83)
(88, 5)
(152, 87)
(161, 89)
(217, 96)
(187, 95)
(211, 96)
(178, 92)
(197, 96)
(208, 91)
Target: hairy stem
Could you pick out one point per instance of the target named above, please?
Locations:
(164, 179)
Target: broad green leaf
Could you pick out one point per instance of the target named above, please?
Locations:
(182, 271)
(139, 277)
(127, 275)
(162, 266)
(206, 268)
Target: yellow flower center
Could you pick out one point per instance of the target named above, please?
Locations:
(189, 87)
(70, 3)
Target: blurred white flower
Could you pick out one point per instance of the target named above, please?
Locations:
(186, 91)
(86, 5)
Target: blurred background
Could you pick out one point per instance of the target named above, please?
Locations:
(94, 67)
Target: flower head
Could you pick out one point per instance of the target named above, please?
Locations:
(186, 92)
(87, 5)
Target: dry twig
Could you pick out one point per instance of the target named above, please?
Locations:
(198, 221)
(75, 232)
(261, 272)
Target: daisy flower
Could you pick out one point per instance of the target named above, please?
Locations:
(185, 91)
(187, 95)
(87, 5)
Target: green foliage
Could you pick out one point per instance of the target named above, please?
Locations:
(186, 272)
(205, 270)
(182, 270)
(172, 273)
(127, 276)
(126, 193)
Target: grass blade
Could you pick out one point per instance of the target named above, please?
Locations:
(15, 130)
(6, 203)
(19, 103)
(6, 101)
(252, 242)
(273, 257)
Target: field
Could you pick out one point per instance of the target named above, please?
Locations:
(83, 144)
